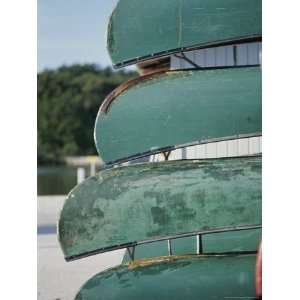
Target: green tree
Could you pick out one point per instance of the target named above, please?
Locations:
(68, 102)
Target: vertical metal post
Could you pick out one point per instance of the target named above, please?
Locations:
(166, 154)
(170, 248)
(199, 244)
(234, 55)
(131, 251)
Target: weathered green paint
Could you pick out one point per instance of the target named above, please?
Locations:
(238, 241)
(146, 201)
(194, 278)
(143, 29)
(179, 107)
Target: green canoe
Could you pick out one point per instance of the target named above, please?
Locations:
(141, 30)
(170, 109)
(127, 206)
(192, 278)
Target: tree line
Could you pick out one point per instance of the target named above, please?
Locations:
(68, 102)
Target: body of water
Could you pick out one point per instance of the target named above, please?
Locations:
(56, 180)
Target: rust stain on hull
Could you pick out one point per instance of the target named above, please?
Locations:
(125, 86)
(160, 259)
(151, 261)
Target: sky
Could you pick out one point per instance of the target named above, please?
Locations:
(72, 31)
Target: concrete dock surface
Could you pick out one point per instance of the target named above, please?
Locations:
(57, 279)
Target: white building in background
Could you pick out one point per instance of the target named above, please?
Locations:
(246, 54)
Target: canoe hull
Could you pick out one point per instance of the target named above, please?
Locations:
(171, 26)
(121, 206)
(190, 278)
(176, 108)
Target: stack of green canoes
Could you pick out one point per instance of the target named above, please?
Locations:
(191, 227)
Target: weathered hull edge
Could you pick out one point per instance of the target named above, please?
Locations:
(78, 237)
(177, 237)
(183, 277)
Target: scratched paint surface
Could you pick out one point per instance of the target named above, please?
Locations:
(180, 107)
(215, 278)
(139, 28)
(146, 201)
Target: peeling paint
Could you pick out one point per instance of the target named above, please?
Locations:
(146, 201)
(185, 277)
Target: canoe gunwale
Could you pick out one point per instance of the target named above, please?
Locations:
(125, 86)
(132, 245)
(134, 157)
(166, 53)
(104, 107)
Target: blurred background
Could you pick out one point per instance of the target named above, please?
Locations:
(74, 77)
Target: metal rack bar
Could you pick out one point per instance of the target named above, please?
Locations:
(199, 244)
(170, 247)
